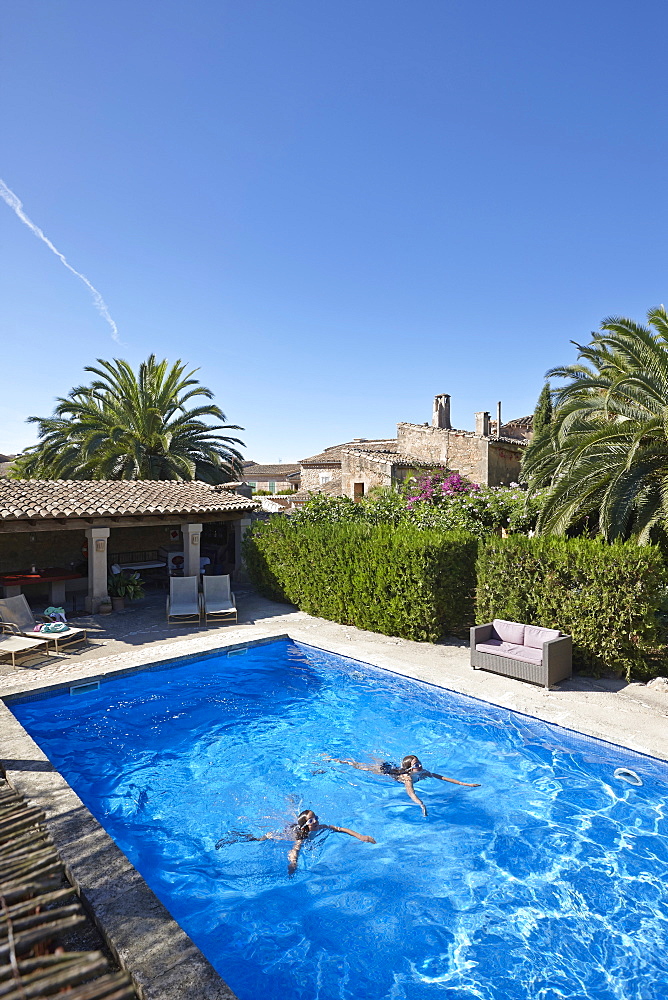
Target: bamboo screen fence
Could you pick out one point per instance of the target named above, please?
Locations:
(38, 906)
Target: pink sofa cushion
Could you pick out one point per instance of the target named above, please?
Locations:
(527, 653)
(535, 637)
(494, 646)
(515, 652)
(512, 632)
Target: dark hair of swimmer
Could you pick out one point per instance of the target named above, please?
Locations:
(411, 762)
(306, 819)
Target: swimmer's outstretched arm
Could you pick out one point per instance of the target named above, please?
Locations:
(353, 763)
(351, 833)
(408, 785)
(452, 781)
(234, 836)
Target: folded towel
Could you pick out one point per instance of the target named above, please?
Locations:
(56, 614)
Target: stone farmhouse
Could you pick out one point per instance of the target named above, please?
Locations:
(281, 478)
(482, 455)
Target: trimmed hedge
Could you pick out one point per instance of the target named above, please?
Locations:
(606, 596)
(398, 580)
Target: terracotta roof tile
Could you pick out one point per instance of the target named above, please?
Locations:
(33, 499)
(332, 488)
(283, 471)
(332, 455)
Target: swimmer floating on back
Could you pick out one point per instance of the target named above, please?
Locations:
(306, 824)
(411, 770)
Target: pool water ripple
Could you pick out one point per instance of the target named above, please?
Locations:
(548, 882)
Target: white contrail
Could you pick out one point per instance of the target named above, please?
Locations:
(17, 206)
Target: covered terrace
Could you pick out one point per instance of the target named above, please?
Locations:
(63, 535)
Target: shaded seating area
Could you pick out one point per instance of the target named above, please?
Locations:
(87, 528)
(218, 603)
(13, 644)
(17, 612)
(183, 603)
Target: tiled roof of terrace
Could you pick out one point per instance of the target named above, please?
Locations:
(43, 499)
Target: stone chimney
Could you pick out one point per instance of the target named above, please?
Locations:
(441, 415)
(482, 423)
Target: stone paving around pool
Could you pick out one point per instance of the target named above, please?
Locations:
(633, 715)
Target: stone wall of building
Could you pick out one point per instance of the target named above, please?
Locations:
(44, 549)
(430, 444)
(461, 451)
(504, 463)
(310, 475)
(366, 468)
(481, 459)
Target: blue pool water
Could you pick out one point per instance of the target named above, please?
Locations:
(548, 882)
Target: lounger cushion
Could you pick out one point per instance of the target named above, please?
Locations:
(535, 637)
(16, 643)
(512, 632)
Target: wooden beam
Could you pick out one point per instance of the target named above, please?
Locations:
(10, 527)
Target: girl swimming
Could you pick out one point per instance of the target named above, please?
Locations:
(307, 823)
(410, 771)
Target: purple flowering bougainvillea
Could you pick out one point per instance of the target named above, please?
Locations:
(434, 487)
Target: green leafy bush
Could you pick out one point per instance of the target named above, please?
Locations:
(608, 597)
(398, 580)
(483, 511)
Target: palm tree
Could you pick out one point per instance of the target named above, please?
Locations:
(128, 426)
(605, 454)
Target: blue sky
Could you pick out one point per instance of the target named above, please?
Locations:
(335, 209)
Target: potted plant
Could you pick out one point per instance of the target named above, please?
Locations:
(122, 586)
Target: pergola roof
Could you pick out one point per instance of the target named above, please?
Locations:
(46, 499)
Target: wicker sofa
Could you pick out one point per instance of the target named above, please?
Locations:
(526, 652)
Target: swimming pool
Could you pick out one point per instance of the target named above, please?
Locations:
(549, 881)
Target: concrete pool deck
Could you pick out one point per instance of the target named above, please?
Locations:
(146, 941)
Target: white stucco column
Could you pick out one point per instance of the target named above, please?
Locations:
(240, 526)
(97, 567)
(191, 548)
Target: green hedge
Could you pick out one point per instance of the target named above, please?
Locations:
(403, 580)
(606, 596)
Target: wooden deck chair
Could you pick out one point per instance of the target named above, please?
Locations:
(183, 603)
(16, 611)
(218, 600)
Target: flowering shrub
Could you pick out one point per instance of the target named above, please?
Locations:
(436, 487)
(481, 510)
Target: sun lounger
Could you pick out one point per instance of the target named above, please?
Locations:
(183, 602)
(218, 599)
(16, 611)
(12, 644)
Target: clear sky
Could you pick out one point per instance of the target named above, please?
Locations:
(335, 209)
